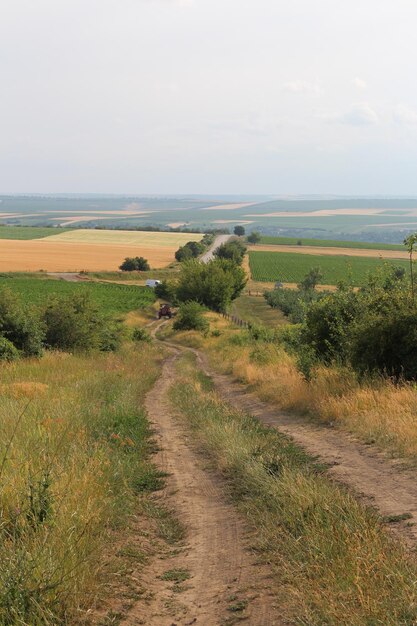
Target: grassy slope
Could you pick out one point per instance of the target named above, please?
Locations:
(330, 243)
(29, 232)
(292, 267)
(111, 298)
(256, 311)
(335, 562)
(77, 461)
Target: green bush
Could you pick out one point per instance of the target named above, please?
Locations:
(7, 350)
(233, 250)
(75, 324)
(167, 290)
(327, 325)
(141, 334)
(20, 324)
(383, 338)
(191, 250)
(190, 317)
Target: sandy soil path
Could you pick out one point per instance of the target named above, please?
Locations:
(216, 552)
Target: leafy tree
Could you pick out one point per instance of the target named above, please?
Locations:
(327, 325)
(21, 325)
(214, 284)
(254, 237)
(128, 265)
(384, 339)
(234, 250)
(410, 243)
(135, 264)
(191, 250)
(190, 317)
(239, 231)
(166, 290)
(311, 280)
(142, 264)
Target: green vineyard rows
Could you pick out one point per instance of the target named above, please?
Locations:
(329, 243)
(290, 267)
(110, 298)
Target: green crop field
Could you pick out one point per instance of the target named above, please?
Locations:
(110, 298)
(29, 232)
(330, 243)
(290, 267)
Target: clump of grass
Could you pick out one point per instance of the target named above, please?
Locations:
(176, 575)
(74, 450)
(334, 559)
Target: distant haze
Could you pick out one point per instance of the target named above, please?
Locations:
(208, 97)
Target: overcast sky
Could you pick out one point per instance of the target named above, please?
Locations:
(208, 96)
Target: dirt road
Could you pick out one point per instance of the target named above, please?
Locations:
(209, 255)
(225, 581)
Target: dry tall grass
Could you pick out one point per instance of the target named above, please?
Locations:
(335, 564)
(376, 410)
(73, 448)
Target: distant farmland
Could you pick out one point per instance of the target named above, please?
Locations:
(329, 243)
(91, 250)
(290, 267)
(29, 232)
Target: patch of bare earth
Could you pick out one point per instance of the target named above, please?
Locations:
(212, 577)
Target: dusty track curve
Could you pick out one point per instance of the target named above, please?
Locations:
(216, 551)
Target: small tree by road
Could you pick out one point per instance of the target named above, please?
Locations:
(254, 237)
(239, 231)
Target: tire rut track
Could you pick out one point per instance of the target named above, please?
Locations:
(216, 552)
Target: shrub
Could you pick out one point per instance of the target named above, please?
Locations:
(254, 237)
(190, 317)
(384, 338)
(166, 291)
(327, 325)
(75, 324)
(233, 250)
(191, 250)
(20, 325)
(141, 334)
(7, 350)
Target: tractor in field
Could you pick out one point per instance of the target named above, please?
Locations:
(165, 311)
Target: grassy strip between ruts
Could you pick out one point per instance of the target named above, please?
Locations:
(74, 458)
(335, 561)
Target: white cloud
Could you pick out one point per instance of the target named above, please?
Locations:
(404, 115)
(361, 114)
(359, 83)
(302, 86)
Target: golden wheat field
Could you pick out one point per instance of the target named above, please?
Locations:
(90, 250)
